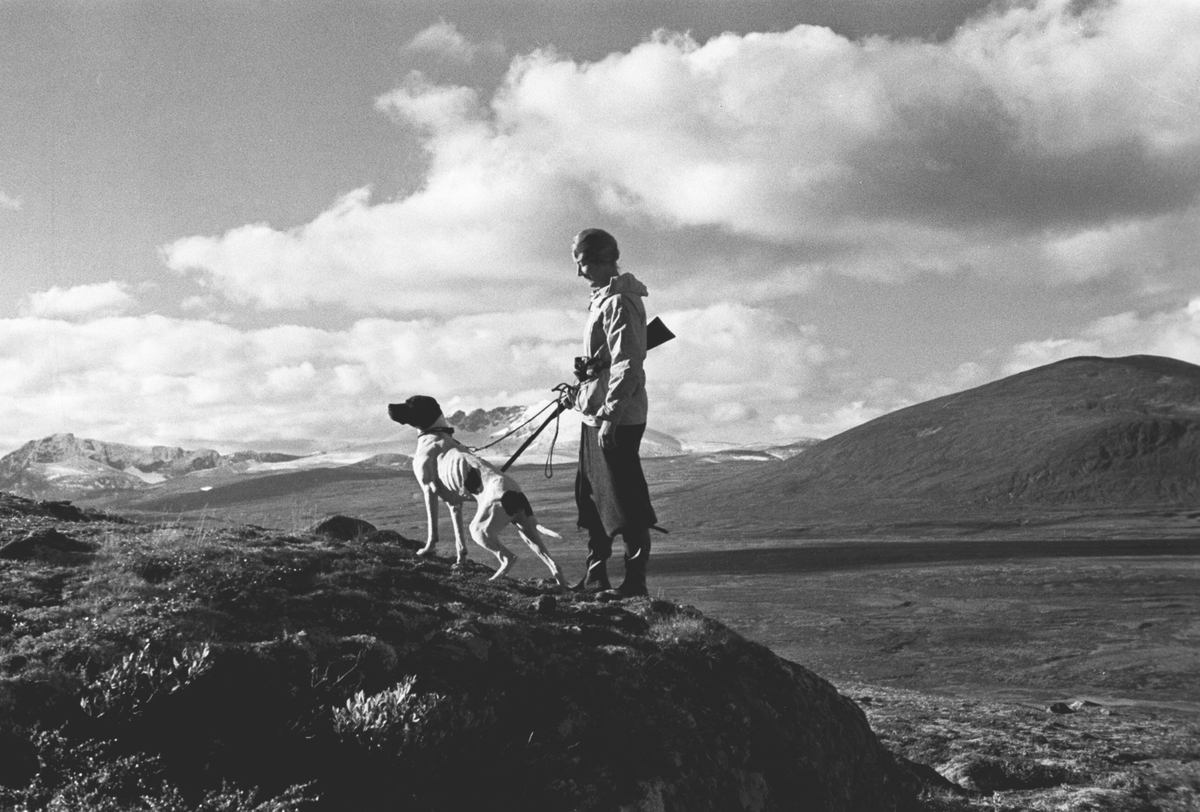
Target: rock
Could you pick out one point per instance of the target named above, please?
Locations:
(341, 527)
(64, 511)
(927, 777)
(48, 543)
(156, 570)
(991, 774)
(1061, 707)
(13, 505)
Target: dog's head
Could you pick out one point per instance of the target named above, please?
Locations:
(420, 411)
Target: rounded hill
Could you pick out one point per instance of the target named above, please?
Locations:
(1086, 430)
(148, 665)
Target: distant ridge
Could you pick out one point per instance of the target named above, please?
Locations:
(65, 466)
(1083, 431)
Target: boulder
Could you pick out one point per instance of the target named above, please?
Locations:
(47, 543)
(343, 528)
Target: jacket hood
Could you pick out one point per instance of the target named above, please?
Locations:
(622, 283)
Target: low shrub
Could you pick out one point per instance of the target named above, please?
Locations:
(90, 776)
(397, 717)
(139, 677)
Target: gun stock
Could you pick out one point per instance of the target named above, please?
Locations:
(657, 333)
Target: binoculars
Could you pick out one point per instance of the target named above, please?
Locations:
(586, 368)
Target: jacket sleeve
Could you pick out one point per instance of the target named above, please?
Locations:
(625, 333)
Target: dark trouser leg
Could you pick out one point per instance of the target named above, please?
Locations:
(637, 556)
(599, 542)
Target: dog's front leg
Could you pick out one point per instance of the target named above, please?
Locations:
(431, 519)
(460, 544)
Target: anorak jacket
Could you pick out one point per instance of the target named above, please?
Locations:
(615, 336)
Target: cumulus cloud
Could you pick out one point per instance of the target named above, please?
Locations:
(731, 372)
(829, 422)
(158, 379)
(81, 301)
(1172, 333)
(1032, 142)
(442, 39)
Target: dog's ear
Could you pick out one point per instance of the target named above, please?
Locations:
(425, 409)
(420, 411)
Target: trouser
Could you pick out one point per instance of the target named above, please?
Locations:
(613, 499)
(610, 488)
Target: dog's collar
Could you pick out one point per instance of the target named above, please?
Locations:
(438, 430)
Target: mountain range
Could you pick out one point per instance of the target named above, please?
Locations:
(63, 466)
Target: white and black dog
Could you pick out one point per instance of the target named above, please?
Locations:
(448, 471)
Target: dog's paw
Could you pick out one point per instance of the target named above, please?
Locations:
(506, 563)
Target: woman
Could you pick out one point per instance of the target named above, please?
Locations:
(610, 488)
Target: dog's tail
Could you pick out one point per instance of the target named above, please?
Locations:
(546, 531)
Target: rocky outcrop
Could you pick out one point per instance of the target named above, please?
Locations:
(385, 680)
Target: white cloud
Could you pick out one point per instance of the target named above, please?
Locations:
(442, 39)
(730, 373)
(9, 202)
(157, 379)
(81, 301)
(734, 372)
(1034, 132)
(1172, 333)
(828, 423)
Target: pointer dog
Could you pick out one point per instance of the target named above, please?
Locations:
(446, 470)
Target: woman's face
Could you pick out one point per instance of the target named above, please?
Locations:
(598, 274)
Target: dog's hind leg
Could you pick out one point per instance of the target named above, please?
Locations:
(528, 530)
(485, 530)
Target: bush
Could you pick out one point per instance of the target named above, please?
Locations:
(89, 777)
(140, 677)
(395, 718)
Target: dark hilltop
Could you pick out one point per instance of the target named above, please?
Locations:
(1086, 434)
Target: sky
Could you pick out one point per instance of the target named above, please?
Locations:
(252, 224)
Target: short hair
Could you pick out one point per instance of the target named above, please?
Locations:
(596, 244)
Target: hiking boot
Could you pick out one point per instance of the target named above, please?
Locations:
(637, 554)
(596, 579)
(634, 586)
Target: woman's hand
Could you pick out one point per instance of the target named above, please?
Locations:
(608, 434)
